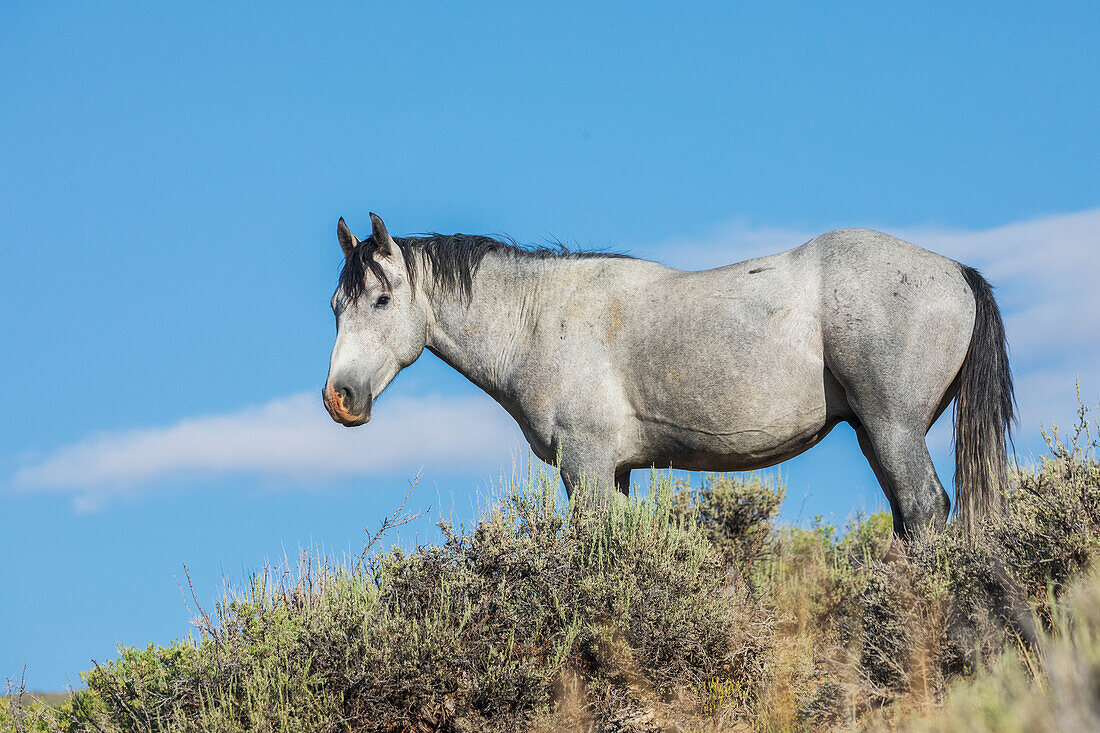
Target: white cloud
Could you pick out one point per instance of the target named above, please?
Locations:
(1046, 271)
(286, 439)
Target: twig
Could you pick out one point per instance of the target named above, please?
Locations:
(397, 519)
(16, 701)
(205, 617)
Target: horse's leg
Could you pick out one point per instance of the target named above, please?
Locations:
(595, 485)
(899, 457)
(622, 481)
(896, 550)
(872, 459)
(585, 468)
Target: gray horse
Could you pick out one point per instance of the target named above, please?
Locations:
(610, 363)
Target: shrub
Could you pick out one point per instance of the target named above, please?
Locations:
(896, 633)
(736, 514)
(686, 608)
(1053, 690)
(1051, 531)
(540, 612)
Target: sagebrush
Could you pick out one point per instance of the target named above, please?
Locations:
(686, 609)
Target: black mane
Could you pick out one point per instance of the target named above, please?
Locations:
(451, 260)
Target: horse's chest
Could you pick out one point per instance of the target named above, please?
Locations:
(533, 411)
(558, 411)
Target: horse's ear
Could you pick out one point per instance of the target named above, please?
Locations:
(384, 244)
(348, 241)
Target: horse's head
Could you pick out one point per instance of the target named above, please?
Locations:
(381, 327)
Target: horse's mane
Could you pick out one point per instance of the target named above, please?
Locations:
(451, 260)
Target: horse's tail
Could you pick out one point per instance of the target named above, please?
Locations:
(984, 411)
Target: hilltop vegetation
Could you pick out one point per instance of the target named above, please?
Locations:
(687, 609)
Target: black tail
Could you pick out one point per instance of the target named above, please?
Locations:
(984, 411)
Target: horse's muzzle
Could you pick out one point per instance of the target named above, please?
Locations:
(347, 406)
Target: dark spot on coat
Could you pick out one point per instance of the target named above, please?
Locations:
(755, 270)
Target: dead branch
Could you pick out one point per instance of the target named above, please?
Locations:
(397, 519)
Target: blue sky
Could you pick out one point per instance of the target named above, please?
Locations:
(170, 182)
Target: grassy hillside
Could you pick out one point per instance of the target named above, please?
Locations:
(688, 609)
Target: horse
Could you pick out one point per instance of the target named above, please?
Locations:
(610, 363)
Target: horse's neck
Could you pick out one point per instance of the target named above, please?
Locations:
(482, 339)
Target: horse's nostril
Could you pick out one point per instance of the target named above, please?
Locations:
(345, 396)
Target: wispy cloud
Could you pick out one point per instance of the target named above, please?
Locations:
(1046, 271)
(290, 439)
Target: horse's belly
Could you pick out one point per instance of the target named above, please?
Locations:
(735, 444)
(735, 420)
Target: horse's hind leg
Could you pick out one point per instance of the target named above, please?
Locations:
(899, 457)
(872, 459)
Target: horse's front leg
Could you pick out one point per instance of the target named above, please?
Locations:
(588, 469)
(600, 482)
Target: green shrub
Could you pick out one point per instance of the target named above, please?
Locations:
(687, 608)
(1053, 690)
(1051, 531)
(736, 514)
(540, 610)
(948, 604)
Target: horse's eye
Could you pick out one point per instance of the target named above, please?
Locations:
(383, 301)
